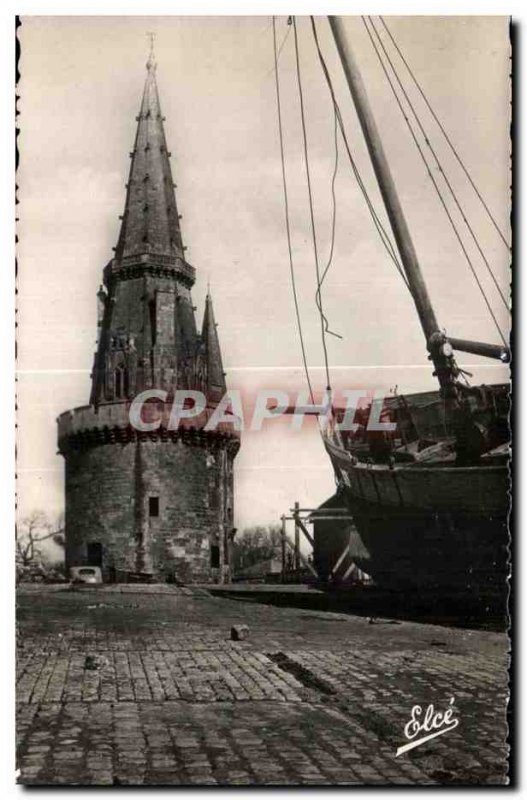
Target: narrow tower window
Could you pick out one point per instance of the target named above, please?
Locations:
(119, 382)
(153, 320)
(214, 556)
(94, 554)
(153, 506)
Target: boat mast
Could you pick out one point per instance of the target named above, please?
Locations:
(440, 349)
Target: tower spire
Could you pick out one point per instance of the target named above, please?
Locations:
(148, 333)
(150, 223)
(151, 63)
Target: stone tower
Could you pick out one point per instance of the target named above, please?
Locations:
(158, 503)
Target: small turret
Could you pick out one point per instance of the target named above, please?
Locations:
(215, 376)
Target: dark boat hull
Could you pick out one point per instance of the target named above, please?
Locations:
(434, 530)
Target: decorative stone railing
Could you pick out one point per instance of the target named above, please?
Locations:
(149, 262)
(111, 422)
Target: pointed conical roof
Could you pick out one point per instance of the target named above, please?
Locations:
(211, 345)
(150, 221)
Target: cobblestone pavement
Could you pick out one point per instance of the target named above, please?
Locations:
(145, 688)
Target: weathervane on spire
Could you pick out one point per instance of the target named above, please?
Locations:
(151, 63)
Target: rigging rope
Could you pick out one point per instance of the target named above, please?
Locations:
(286, 212)
(434, 182)
(334, 206)
(284, 40)
(385, 239)
(443, 131)
(318, 296)
(437, 161)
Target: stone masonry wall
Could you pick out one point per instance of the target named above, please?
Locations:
(108, 491)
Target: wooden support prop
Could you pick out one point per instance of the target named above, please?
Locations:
(340, 560)
(297, 536)
(324, 518)
(349, 570)
(283, 547)
(305, 531)
(303, 559)
(314, 510)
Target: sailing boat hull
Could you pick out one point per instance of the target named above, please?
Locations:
(439, 527)
(431, 529)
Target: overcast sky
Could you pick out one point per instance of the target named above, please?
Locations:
(82, 80)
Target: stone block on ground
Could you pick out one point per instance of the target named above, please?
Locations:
(239, 632)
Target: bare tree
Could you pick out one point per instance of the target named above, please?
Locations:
(31, 532)
(255, 544)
